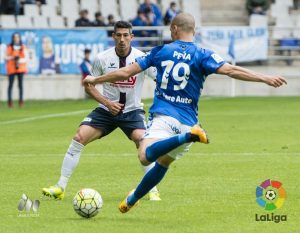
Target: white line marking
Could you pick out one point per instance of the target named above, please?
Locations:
(47, 116)
(188, 154)
(27, 119)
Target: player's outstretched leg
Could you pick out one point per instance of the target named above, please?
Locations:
(153, 193)
(151, 179)
(162, 147)
(70, 162)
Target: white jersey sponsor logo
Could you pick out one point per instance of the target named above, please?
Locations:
(109, 61)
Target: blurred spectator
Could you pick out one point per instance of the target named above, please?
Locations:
(99, 20)
(140, 20)
(171, 13)
(29, 1)
(41, 2)
(86, 64)
(47, 60)
(83, 21)
(15, 65)
(296, 4)
(11, 7)
(111, 20)
(257, 6)
(154, 9)
(111, 23)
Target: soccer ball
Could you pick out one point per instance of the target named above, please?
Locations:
(270, 195)
(87, 203)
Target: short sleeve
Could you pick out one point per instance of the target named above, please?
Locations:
(97, 68)
(151, 73)
(147, 60)
(211, 62)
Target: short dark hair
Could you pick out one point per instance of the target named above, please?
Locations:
(86, 50)
(123, 24)
(97, 14)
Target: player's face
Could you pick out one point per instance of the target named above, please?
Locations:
(122, 38)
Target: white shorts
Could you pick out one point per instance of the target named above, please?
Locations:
(162, 126)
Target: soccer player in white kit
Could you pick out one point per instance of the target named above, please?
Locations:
(119, 106)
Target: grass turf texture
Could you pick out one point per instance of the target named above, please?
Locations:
(211, 189)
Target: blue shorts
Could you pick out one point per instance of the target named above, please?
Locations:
(101, 119)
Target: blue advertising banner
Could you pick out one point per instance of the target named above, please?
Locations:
(55, 51)
(238, 44)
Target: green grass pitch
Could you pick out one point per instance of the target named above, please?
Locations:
(211, 189)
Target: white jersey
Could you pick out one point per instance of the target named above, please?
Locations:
(128, 91)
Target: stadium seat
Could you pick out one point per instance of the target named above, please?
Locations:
(40, 22)
(48, 10)
(256, 20)
(8, 21)
(128, 9)
(91, 5)
(279, 10)
(296, 31)
(194, 8)
(24, 21)
(283, 27)
(111, 8)
(288, 3)
(69, 8)
(31, 10)
(54, 3)
(57, 22)
(71, 21)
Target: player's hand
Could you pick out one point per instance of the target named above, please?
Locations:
(275, 81)
(89, 80)
(114, 108)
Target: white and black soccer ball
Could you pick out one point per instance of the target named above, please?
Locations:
(270, 195)
(87, 203)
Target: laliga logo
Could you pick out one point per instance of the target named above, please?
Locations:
(26, 204)
(270, 195)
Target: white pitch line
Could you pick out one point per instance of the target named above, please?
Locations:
(47, 116)
(188, 154)
(27, 119)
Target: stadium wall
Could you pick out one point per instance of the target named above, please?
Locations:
(69, 87)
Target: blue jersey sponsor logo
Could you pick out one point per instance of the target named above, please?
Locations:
(182, 68)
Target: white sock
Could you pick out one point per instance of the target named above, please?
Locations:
(70, 162)
(146, 169)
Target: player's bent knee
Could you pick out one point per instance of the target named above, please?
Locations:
(165, 161)
(143, 159)
(78, 138)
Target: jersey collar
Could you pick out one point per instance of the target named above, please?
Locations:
(124, 56)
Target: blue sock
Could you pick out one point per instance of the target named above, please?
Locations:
(164, 146)
(151, 178)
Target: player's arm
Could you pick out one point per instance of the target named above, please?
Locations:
(117, 75)
(97, 69)
(244, 74)
(113, 107)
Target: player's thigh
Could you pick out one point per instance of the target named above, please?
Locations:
(86, 134)
(132, 124)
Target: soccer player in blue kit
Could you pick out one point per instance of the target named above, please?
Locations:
(182, 68)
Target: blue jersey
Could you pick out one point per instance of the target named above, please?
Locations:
(182, 68)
